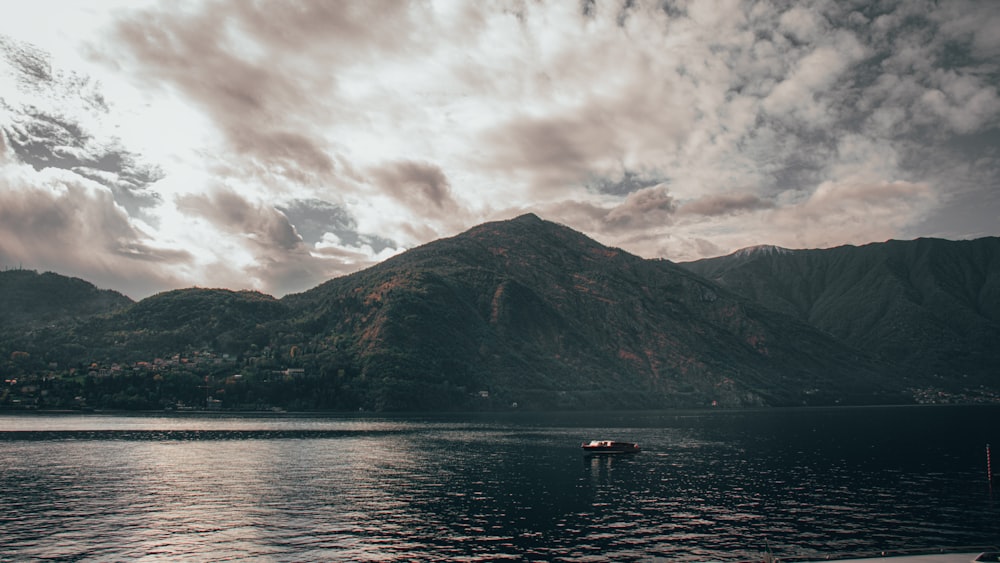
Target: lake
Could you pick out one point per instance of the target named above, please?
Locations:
(719, 485)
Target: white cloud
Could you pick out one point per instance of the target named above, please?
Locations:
(803, 24)
(56, 220)
(804, 95)
(853, 211)
(963, 103)
(670, 129)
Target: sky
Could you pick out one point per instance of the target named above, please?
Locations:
(148, 146)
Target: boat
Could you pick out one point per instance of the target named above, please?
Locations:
(610, 447)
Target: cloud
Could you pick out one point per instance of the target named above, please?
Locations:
(26, 64)
(264, 74)
(850, 211)
(265, 226)
(53, 119)
(553, 151)
(972, 23)
(48, 141)
(805, 94)
(312, 218)
(963, 103)
(725, 204)
(853, 211)
(744, 115)
(55, 220)
(647, 207)
(282, 143)
(419, 184)
(249, 101)
(802, 24)
(625, 183)
(638, 222)
(255, 244)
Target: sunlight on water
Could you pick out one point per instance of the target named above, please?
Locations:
(708, 486)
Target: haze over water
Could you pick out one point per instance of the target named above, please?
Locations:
(709, 485)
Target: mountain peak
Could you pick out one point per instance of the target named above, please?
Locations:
(526, 228)
(527, 218)
(760, 250)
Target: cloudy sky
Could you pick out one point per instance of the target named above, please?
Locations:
(146, 146)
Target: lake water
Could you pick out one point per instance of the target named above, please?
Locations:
(708, 486)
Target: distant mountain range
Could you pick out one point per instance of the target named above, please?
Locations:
(529, 314)
(929, 306)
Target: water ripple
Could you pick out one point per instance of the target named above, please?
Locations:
(714, 487)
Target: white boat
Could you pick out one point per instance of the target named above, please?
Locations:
(610, 447)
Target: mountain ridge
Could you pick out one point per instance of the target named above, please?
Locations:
(520, 312)
(552, 296)
(928, 304)
(29, 298)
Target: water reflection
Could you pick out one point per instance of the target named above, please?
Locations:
(601, 466)
(710, 486)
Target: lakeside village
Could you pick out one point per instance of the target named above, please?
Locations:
(208, 381)
(200, 380)
(205, 381)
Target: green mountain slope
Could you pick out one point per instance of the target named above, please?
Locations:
(225, 321)
(29, 299)
(528, 313)
(539, 314)
(930, 306)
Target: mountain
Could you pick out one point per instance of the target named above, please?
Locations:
(522, 314)
(541, 315)
(29, 299)
(929, 306)
(222, 320)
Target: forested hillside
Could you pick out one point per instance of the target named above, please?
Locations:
(930, 306)
(523, 314)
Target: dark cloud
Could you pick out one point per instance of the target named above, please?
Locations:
(78, 230)
(72, 218)
(54, 138)
(627, 183)
(648, 207)
(314, 218)
(280, 263)
(47, 141)
(74, 230)
(30, 63)
(421, 185)
(544, 143)
(971, 23)
(553, 150)
(32, 72)
(264, 225)
(725, 204)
